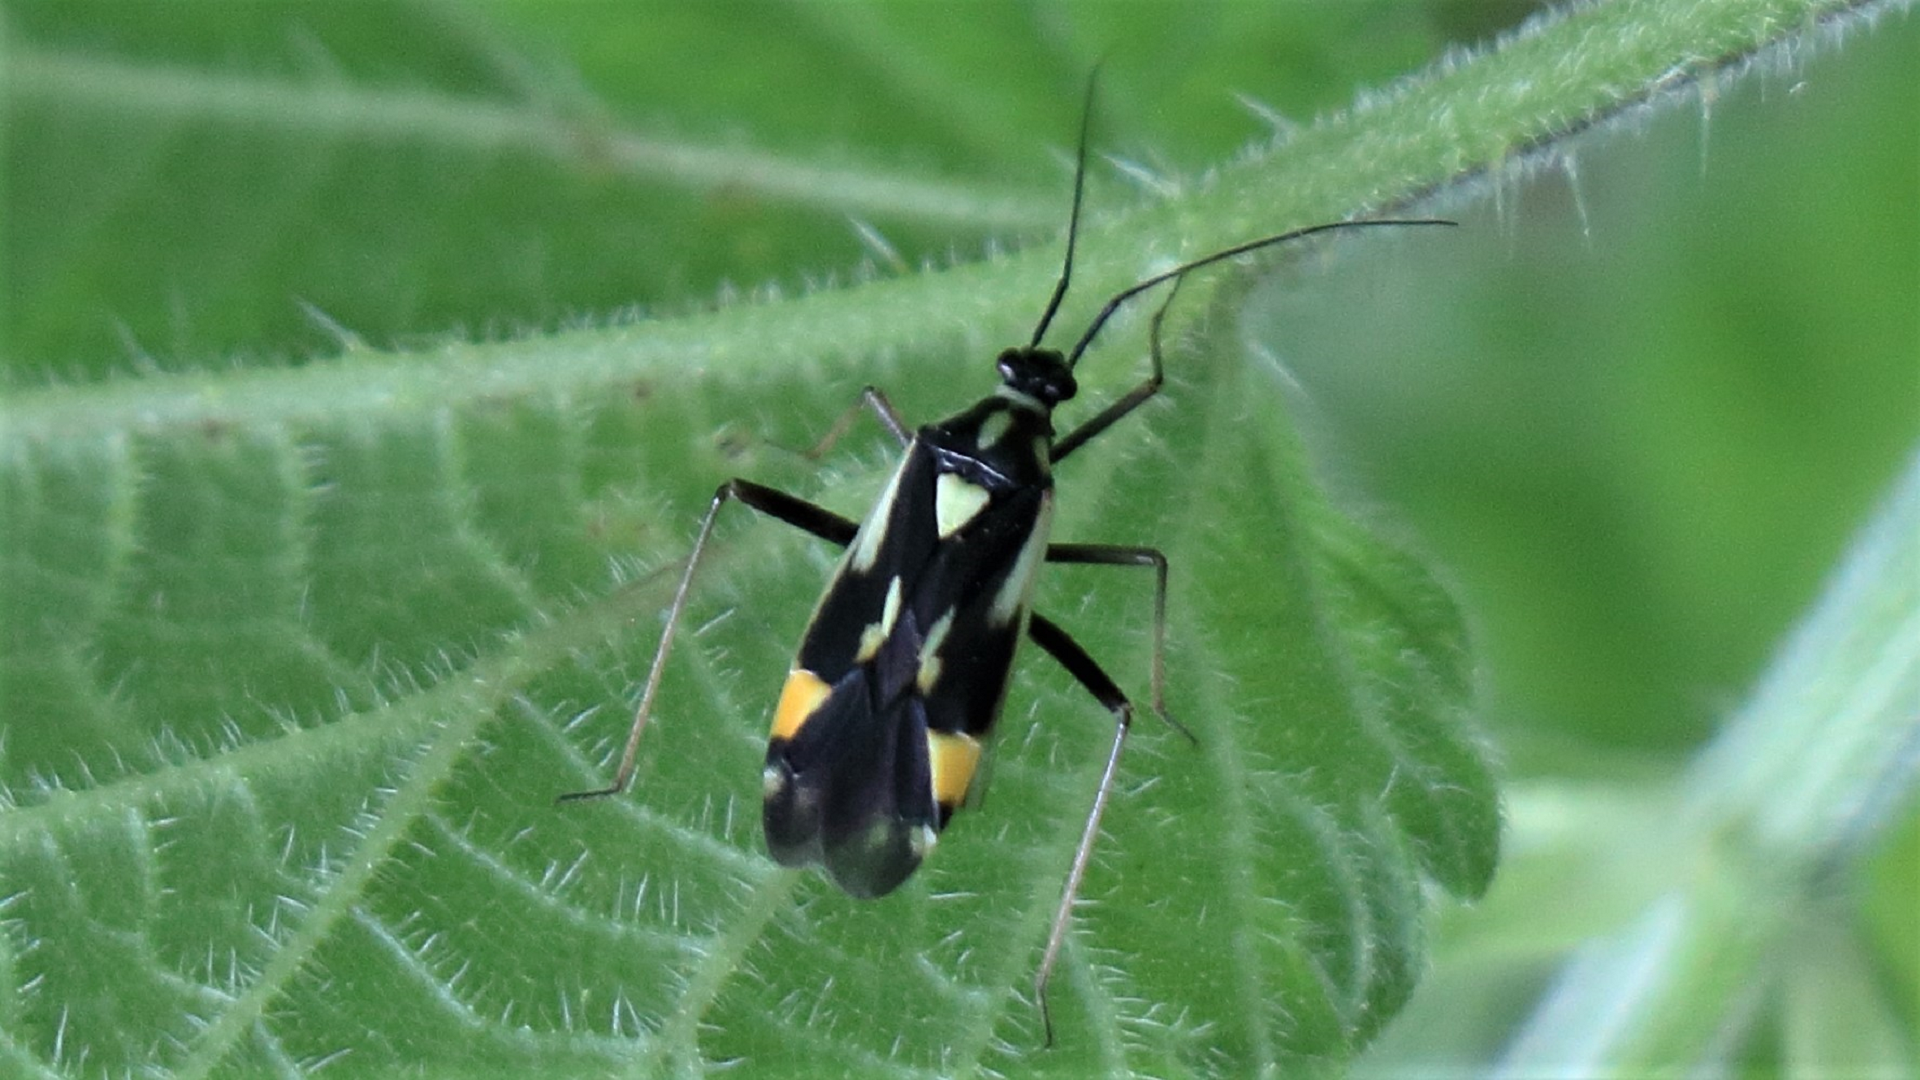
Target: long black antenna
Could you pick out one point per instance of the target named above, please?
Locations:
(1073, 218)
(1124, 295)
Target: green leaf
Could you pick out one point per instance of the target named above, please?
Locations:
(297, 655)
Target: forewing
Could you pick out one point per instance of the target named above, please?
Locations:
(902, 671)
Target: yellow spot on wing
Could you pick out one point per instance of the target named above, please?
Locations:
(953, 757)
(798, 700)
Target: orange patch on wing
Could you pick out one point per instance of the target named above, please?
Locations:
(798, 699)
(953, 758)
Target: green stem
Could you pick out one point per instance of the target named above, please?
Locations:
(1822, 755)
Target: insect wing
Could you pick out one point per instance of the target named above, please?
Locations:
(883, 720)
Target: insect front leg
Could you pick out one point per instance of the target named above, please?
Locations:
(1132, 399)
(773, 502)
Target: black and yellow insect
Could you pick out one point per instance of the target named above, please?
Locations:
(879, 731)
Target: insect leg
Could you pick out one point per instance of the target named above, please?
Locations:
(1116, 555)
(795, 511)
(1061, 646)
(1130, 401)
(876, 402)
(1087, 672)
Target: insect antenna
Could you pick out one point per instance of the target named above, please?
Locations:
(1124, 295)
(1073, 216)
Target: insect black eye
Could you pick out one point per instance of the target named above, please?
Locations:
(1039, 373)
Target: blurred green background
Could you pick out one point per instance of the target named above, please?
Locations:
(1633, 410)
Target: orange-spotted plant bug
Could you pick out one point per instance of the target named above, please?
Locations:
(879, 731)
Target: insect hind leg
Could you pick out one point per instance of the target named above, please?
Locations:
(1088, 673)
(773, 502)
